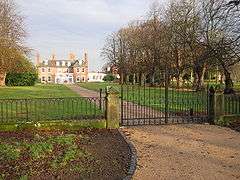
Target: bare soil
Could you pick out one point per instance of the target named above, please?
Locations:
(106, 156)
(186, 152)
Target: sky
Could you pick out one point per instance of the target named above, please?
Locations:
(77, 26)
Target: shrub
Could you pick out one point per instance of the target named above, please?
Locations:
(109, 77)
(21, 79)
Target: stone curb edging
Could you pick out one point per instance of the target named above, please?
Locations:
(133, 163)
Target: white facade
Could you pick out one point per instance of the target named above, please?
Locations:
(96, 76)
(63, 78)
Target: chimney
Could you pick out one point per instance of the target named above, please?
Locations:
(72, 57)
(38, 59)
(85, 59)
(53, 58)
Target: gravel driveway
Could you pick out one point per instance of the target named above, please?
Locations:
(186, 152)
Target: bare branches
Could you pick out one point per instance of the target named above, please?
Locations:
(189, 37)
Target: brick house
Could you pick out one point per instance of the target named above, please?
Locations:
(60, 71)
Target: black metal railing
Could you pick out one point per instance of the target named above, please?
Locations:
(232, 104)
(143, 105)
(42, 109)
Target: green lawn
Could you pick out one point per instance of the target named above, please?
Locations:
(37, 91)
(98, 86)
(45, 102)
(178, 100)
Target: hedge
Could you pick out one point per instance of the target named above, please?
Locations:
(109, 78)
(21, 79)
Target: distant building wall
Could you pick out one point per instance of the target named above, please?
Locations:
(63, 71)
(96, 76)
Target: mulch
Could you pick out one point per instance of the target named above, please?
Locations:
(235, 125)
(110, 151)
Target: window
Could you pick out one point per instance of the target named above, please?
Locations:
(49, 78)
(100, 77)
(78, 79)
(49, 69)
(77, 69)
(83, 69)
(66, 63)
(43, 69)
(94, 76)
(43, 78)
(83, 79)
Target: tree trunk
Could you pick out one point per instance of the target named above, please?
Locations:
(200, 79)
(2, 78)
(134, 79)
(121, 78)
(152, 79)
(142, 79)
(179, 81)
(127, 79)
(228, 83)
(195, 79)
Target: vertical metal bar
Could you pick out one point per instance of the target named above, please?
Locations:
(122, 105)
(100, 101)
(72, 103)
(2, 114)
(11, 110)
(166, 95)
(149, 105)
(77, 104)
(26, 106)
(134, 104)
(16, 110)
(144, 101)
(63, 111)
(7, 111)
(91, 108)
(35, 109)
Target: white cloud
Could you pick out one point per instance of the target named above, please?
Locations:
(73, 25)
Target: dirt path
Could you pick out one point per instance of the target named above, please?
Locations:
(186, 152)
(82, 91)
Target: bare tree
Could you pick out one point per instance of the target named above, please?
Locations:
(12, 34)
(189, 37)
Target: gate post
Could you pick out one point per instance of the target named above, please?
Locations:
(112, 108)
(219, 106)
(211, 104)
(216, 106)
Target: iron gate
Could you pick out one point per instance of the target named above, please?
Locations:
(146, 105)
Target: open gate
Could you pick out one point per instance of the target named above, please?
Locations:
(146, 105)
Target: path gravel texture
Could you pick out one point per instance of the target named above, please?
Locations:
(186, 152)
(82, 91)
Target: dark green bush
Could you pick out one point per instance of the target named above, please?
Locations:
(109, 78)
(21, 79)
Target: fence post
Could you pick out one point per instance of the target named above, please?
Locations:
(112, 108)
(211, 104)
(219, 106)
